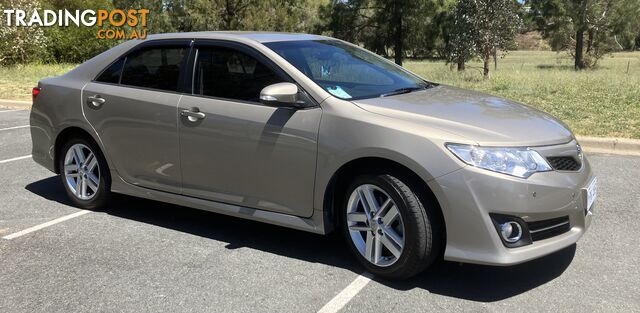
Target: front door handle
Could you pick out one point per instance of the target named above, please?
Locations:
(193, 114)
(96, 101)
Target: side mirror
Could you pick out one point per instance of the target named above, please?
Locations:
(281, 95)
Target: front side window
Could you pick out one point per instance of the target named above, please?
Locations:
(228, 73)
(157, 68)
(345, 71)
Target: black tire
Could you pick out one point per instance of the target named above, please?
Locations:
(103, 194)
(422, 238)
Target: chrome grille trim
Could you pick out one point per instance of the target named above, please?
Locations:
(547, 228)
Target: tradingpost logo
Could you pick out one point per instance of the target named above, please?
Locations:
(116, 24)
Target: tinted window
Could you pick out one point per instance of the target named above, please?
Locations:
(112, 73)
(227, 73)
(157, 68)
(346, 71)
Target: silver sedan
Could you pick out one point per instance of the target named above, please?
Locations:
(316, 134)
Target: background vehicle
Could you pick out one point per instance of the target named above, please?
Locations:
(313, 133)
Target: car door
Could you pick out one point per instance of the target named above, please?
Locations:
(132, 105)
(237, 150)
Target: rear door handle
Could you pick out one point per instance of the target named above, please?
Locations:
(193, 114)
(96, 101)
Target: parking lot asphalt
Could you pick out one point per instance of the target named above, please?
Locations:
(145, 256)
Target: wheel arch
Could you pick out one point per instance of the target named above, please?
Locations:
(334, 192)
(62, 137)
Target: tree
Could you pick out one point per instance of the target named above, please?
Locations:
(202, 15)
(587, 28)
(21, 44)
(482, 27)
(433, 31)
(396, 26)
(62, 42)
(625, 25)
(233, 12)
(461, 46)
(266, 15)
(165, 16)
(284, 16)
(346, 19)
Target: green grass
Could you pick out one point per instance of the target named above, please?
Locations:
(599, 102)
(16, 81)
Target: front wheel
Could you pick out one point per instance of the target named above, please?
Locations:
(85, 174)
(388, 228)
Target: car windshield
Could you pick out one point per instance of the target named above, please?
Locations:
(347, 71)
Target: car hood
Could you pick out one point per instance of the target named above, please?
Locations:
(482, 118)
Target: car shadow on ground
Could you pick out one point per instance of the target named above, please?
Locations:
(464, 281)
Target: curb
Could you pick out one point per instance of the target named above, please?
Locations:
(15, 104)
(621, 146)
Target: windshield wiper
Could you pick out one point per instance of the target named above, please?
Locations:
(402, 91)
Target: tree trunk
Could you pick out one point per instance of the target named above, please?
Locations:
(590, 40)
(227, 16)
(461, 64)
(495, 59)
(579, 64)
(486, 58)
(581, 24)
(398, 40)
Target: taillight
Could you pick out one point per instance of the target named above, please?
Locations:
(35, 92)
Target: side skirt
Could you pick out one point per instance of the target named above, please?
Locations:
(314, 224)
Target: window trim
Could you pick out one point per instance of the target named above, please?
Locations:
(185, 84)
(159, 43)
(124, 61)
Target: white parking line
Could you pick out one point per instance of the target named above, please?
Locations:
(348, 293)
(15, 159)
(15, 127)
(6, 111)
(43, 225)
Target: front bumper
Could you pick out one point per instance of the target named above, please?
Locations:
(468, 196)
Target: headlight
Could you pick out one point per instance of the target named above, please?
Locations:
(519, 162)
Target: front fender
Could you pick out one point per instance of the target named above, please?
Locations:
(348, 133)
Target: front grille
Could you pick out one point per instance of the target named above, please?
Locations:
(548, 228)
(564, 163)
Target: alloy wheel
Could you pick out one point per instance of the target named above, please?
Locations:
(81, 171)
(375, 225)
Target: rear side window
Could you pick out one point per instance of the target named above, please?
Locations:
(112, 73)
(227, 73)
(157, 68)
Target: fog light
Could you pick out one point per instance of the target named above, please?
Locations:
(511, 231)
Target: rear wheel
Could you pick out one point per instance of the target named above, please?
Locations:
(84, 173)
(387, 226)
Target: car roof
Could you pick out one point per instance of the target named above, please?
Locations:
(261, 37)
